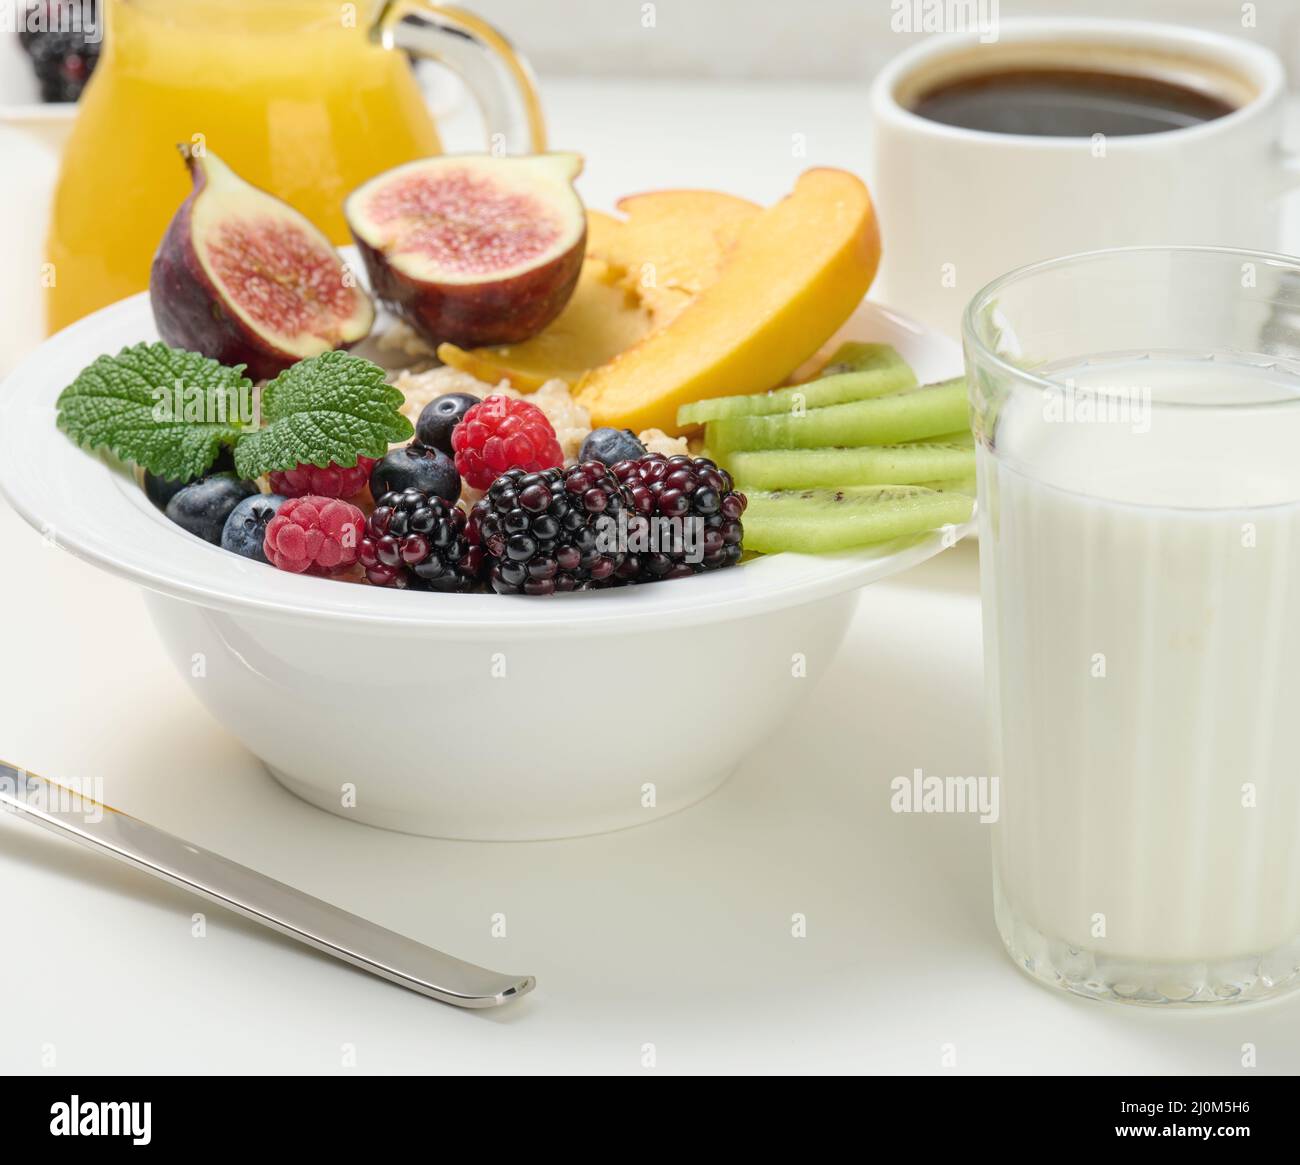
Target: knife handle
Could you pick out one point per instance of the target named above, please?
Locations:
(316, 923)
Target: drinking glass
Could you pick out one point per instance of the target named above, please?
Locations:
(1137, 416)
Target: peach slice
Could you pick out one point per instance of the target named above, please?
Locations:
(473, 249)
(672, 244)
(640, 273)
(792, 277)
(601, 320)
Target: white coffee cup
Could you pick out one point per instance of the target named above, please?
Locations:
(959, 207)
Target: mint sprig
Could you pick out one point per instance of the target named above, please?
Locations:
(168, 410)
(171, 411)
(333, 407)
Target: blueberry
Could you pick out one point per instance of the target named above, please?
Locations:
(440, 416)
(245, 529)
(611, 446)
(416, 466)
(161, 490)
(203, 506)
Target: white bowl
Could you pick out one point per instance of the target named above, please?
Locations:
(466, 716)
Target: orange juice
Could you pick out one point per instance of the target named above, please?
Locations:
(291, 93)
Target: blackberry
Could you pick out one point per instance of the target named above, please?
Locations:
(63, 51)
(553, 529)
(418, 540)
(474, 537)
(702, 531)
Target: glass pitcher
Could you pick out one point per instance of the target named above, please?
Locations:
(304, 98)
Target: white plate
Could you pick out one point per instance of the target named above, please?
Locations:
(99, 513)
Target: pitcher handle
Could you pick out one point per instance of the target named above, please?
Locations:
(499, 78)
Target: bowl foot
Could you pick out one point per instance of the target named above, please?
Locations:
(487, 825)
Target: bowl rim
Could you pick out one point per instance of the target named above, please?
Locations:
(94, 509)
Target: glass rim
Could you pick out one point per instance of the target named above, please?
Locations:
(986, 294)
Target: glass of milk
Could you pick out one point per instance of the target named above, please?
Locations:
(1137, 416)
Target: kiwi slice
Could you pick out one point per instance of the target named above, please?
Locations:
(965, 438)
(877, 371)
(857, 356)
(956, 485)
(870, 465)
(815, 521)
(887, 420)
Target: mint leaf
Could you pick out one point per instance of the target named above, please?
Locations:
(168, 410)
(332, 407)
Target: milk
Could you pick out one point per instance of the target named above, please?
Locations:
(1141, 581)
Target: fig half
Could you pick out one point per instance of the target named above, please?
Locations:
(245, 279)
(473, 249)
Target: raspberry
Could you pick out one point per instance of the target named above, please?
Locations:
(501, 434)
(315, 535)
(703, 531)
(419, 540)
(333, 481)
(554, 530)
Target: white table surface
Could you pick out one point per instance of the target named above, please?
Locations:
(676, 934)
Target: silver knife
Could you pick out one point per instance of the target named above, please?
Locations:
(382, 952)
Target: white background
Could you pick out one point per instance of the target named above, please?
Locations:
(830, 40)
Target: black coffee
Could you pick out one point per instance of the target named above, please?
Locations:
(1068, 103)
